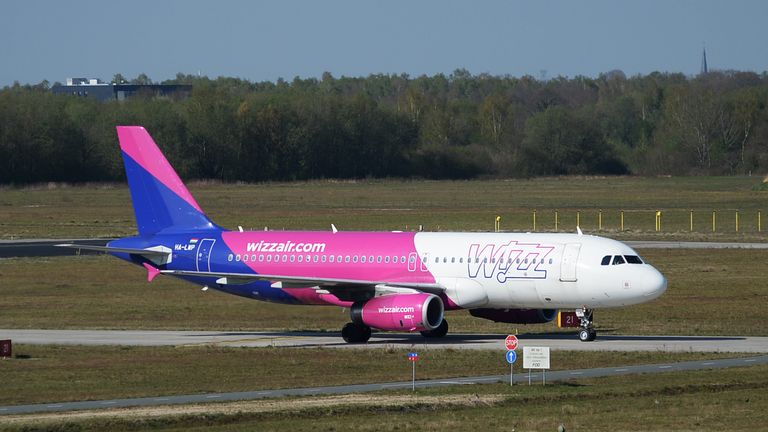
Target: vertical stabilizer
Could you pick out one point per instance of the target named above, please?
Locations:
(160, 199)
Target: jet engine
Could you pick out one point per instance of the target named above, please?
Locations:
(408, 312)
(516, 316)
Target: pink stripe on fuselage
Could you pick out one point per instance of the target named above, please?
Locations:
(310, 244)
(139, 145)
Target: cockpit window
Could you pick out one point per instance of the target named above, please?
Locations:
(633, 259)
(606, 260)
(618, 259)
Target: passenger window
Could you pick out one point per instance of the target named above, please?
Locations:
(424, 259)
(229, 258)
(261, 258)
(633, 259)
(412, 259)
(237, 257)
(362, 259)
(315, 258)
(346, 259)
(386, 259)
(461, 260)
(453, 260)
(618, 259)
(354, 259)
(485, 260)
(437, 260)
(445, 260)
(370, 259)
(293, 258)
(323, 259)
(402, 259)
(332, 258)
(301, 258)
(338, 259)
(269, 258)
(606, 260)
(253, 257)
(378, 259)
(550, 260)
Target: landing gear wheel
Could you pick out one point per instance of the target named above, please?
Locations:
(355, 333)
(587, 332)
(437, 332)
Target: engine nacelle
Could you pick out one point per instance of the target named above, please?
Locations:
(409, 312)
(516, 316)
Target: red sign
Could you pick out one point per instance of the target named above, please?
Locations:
(412, 356)
(511, 342)
(5, 348)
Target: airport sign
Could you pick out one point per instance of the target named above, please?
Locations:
(511, 356)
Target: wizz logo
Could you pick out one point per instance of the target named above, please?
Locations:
(511, 260)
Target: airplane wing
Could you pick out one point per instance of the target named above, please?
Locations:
(303, 282)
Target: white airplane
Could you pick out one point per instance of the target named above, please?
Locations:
(396, 281)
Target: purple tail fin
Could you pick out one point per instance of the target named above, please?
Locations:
(160, 199)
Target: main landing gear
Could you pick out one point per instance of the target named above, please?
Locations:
(355, 333)
(587, 332)
(438, 331)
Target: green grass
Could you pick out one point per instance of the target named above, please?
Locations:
(43, 374)
(731, 399)
(711, 292)
(104, 210)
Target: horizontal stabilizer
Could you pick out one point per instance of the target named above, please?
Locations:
(135, 251)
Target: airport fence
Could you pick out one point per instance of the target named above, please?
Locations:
(653, 220)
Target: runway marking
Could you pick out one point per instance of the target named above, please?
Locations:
(576, 373)
(213, 396)
(620, 370)
(55, 406)
(749, 360)
(392, 385)
(108, 402)
(708, 363)
(664, 367)
(161, 399)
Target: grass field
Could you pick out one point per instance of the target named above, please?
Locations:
(731, 399)
(103, 210)
(719, 292)
(41, 374)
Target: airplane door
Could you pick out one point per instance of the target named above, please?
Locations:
(204, 254)
(569, 261)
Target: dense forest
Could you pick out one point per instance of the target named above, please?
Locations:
(455, 126)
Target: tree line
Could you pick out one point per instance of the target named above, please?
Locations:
(442, 126)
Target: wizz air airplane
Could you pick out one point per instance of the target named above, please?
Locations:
(393, 281)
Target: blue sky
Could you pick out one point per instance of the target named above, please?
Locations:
(265, 40)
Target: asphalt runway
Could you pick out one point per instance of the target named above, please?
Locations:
(558, 341)
(519, 378)
(45, 248)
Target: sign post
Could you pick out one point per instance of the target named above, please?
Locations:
(536, 358)
(511, 357)
(413, 357)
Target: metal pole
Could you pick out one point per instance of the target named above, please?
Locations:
(413, 379)
(555, 220)
(543, 377)
(600, 220)
(759, 221)
(578, 219)
(511, 374)
(714, 220)
(737, 221)
(622, 220)
(534, 221)
(691, 220)
(529, 377)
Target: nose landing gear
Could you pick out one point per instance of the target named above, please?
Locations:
(587, 332)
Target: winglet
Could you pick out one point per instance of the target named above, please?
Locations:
(333, 228)
(152, 272)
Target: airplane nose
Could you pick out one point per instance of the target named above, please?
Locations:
(655, 283)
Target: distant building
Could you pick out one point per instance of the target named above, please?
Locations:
(96, 88)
